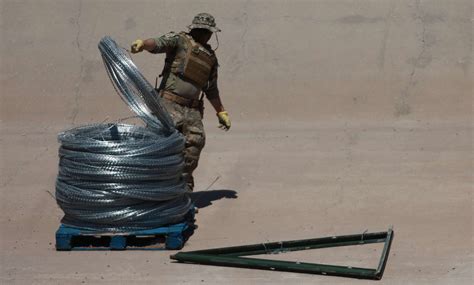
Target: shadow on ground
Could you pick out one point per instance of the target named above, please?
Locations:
(203, 199)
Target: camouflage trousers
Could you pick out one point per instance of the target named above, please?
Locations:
(188, 121)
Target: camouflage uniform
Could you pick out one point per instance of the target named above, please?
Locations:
(188, 120)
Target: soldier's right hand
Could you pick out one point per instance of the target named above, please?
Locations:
(137, 46)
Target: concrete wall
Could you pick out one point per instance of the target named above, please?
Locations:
(285, 60)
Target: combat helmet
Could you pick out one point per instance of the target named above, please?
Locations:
(204, 21)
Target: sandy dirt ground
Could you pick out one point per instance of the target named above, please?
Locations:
(347, 116)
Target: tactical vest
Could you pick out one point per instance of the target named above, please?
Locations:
(194, 63)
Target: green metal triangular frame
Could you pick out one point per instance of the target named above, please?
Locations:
(233, 256)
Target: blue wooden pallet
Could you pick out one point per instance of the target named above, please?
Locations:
(168, 237)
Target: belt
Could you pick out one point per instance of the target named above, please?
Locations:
(191, 103)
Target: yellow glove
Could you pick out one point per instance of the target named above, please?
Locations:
(224, 121)
(137, 46)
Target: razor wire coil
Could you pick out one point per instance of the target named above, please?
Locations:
(120, 177)
(132, 86)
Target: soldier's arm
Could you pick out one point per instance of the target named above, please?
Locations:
(212, 91)
(217, 104)
(162, 44)
(212, 94)
(165, 43)
(149, 45)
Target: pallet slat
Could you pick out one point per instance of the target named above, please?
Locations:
(166, 237)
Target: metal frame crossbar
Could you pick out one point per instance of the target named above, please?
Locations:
(234, 256)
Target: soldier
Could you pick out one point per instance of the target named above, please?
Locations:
(190, 71)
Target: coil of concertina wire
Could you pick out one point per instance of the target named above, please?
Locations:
(132, 86)
(119, 177)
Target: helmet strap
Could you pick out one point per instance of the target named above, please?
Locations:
(217, 40)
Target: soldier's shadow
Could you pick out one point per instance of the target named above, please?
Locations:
(203, 199)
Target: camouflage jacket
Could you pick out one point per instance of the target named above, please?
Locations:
(174, 45)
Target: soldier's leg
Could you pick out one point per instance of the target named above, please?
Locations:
(176, 111)
(178, 114)
(193, 130)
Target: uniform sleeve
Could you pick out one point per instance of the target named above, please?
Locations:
(166, 43)
(211, 89)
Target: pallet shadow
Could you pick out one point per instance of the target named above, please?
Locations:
(203, 199)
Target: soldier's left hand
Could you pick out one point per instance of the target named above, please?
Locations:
(224, 120)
